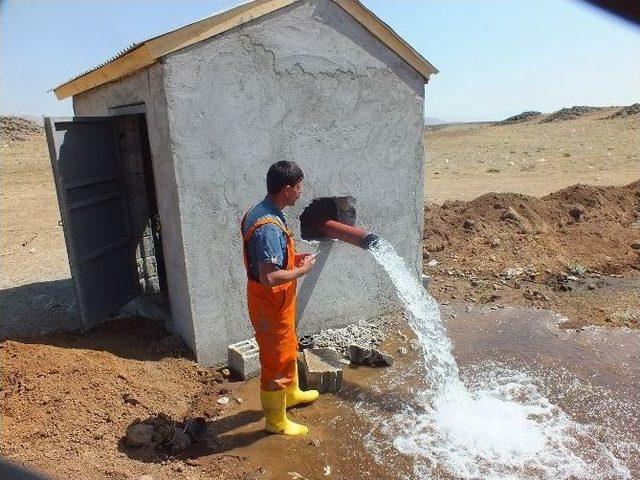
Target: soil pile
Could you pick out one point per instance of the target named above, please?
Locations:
(570, 113)
(628, 110)
(16, 129)
(591, 226)
(84, 398)
(576, 252)
(521, 117)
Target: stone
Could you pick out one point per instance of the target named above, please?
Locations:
(315, 442)
(495, 242)
(635, 245)
(139, 435)
(511, 214)
(576, 211)
(403, 351)
(432, 263)
(577, 270)
(243, 359)
(223, 400)
(321, 369)
(361, 355)
(468, 224)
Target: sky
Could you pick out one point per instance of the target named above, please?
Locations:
(496, 57)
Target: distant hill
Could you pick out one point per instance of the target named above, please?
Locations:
(17, 129)
(433, 121)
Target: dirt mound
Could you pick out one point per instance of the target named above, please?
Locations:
(633, 109)
(521, 117)
(72, 403)
(16, 129)
(596, 227)
(570, 113)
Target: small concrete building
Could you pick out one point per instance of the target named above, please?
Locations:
(171, 142)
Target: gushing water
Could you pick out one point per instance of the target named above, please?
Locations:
(498, 426)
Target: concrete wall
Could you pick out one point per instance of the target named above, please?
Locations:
(147, 86)
(308, 84)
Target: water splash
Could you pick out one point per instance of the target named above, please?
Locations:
(499, 426)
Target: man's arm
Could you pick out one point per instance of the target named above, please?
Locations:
(272, 276)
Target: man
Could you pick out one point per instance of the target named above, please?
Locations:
(272, 269)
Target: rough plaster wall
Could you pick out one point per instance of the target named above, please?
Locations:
(148, 86)
(307, 84)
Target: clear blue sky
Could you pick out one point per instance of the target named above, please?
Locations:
(496, 57)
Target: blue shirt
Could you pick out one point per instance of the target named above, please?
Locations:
(268, 244)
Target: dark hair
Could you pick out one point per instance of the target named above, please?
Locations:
(283, 173)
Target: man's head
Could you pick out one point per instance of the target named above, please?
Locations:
(284, 182)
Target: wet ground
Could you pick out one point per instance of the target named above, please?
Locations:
(593, 375)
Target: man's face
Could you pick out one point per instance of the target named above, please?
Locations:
(293, 193)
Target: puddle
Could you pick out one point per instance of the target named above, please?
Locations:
(493, 394)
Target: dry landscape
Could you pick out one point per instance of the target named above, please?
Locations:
(540, 212)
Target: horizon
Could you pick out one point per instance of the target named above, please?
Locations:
(560, 53)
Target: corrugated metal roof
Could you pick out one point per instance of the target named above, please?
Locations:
(225, 20)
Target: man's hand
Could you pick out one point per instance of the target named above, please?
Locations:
(300, 257)
(306, 262)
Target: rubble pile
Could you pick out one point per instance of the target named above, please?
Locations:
(570, 113)
(16, 129)
(633, 109)
(521, 117)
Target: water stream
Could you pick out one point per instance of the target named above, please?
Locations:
(494, 424)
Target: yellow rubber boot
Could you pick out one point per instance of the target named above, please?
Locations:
(295, 396)
(275, 411)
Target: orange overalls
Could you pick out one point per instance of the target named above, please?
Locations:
(272, 311)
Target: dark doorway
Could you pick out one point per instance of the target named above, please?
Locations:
(145, 226)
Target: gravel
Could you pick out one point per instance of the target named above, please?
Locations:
(366, 333)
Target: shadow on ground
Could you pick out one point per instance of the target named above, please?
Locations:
(38, 308)
(193, 437)
(33, 314)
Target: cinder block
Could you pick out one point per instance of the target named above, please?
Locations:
(145, 247)
(322, 369)
(150, 285)
(243, 358)
(141, 226)
(147, 267)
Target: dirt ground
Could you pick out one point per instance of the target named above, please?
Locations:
(504, 226)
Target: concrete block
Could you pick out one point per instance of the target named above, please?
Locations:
(243, 358)
(363, 355)
(147, 267)
(145, 247)
(321, 369)
(150, 285)
(141, 226)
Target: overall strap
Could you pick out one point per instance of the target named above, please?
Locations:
(264, 221)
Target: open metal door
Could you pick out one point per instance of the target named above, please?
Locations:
(91, 196)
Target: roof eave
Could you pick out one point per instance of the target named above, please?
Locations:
(149, 51)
